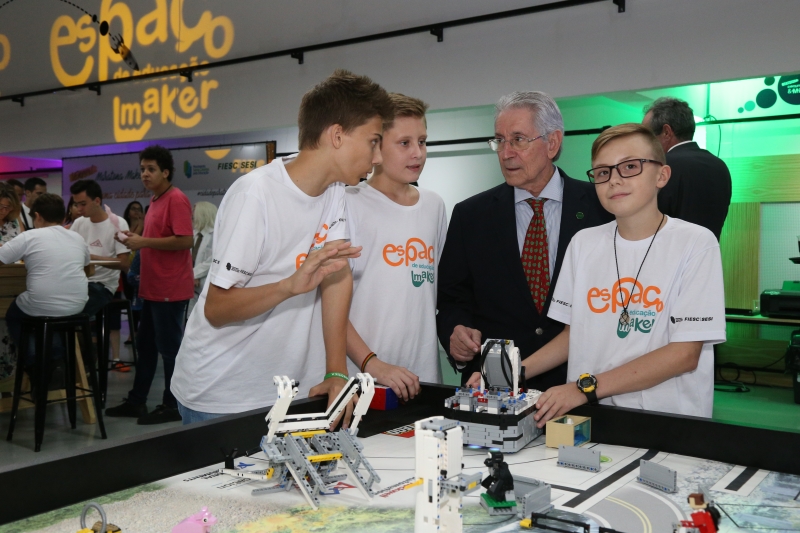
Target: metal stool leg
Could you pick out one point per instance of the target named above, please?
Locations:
(89, 363)
(44, 340)
(69, 376)
(102, 356)
(22, 355)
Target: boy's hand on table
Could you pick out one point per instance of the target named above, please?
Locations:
(557, 401)
(474, 380)
(402, 381)
(332, 387)
(329, 259)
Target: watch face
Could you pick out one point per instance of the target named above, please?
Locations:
(587, 382)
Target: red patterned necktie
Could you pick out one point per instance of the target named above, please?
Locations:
(535, 256)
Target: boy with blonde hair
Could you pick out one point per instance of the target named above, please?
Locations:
(392, 329)
(641, 297)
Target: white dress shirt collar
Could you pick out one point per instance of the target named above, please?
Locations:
(554, 190)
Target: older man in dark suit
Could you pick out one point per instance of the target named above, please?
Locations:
(505, 246)
(699, 188)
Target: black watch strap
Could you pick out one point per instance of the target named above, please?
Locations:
(592, 397)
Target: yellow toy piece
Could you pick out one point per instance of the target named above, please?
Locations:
(416, 483)
(526, 524)
(86, 530)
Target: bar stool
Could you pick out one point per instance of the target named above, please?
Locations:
(104, 344)
(43, 329)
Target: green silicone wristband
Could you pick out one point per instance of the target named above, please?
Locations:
(336, 375)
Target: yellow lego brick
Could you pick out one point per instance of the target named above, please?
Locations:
(308, 434)
(324, 457)
(414, 484)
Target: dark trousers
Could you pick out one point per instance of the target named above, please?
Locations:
(14, 317)
(160, 331)
(99, 297)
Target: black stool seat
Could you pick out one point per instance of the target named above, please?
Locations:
(104, 341)
(43, 328)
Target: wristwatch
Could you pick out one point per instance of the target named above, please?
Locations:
(587, 384)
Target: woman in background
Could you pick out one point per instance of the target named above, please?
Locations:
(134, 216)
(10, 227)
(204, 215)
(72, 213)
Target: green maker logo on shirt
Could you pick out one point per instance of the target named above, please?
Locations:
(643, 325)
(419, 278)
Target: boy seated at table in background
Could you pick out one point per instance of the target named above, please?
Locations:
(55, 259)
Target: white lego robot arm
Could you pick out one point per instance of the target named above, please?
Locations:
(287, 390)
(367, 385)
(310, 422)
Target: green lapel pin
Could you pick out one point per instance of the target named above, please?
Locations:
(579, 215)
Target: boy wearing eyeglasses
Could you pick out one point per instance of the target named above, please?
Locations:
(642, 297)
(402, 229)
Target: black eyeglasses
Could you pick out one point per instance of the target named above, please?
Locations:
(625, 169)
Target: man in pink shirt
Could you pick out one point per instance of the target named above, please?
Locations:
(167, 285)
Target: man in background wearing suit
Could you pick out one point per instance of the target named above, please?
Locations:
(699, 190)
(505, 246)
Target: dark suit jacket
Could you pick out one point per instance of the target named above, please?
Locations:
(482, 284)
(699, 190)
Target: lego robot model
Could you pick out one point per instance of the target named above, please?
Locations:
(499, 414)
(509, 495)
(439, 449)
(705, 518)
(302, 450)
(118, 45)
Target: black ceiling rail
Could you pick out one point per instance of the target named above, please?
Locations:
(747, 119)
(298, 53)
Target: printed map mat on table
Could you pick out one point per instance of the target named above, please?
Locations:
(749, 499)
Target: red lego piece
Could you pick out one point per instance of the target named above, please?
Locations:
(384, 400)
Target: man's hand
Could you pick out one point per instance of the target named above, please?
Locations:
(196, 283)
(329, 259)
(557, 401)
(133, 242)
(474, 380)
(465, 343)
(402, 381)
(332, 387)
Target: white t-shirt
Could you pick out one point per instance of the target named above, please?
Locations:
(679, 298)
(99, 237)
(394, 280)
(54, 258)
(264, 230)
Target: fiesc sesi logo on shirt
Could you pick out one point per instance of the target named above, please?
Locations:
(416, 256)
(613, 300)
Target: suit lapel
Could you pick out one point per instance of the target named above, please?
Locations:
(506, 230)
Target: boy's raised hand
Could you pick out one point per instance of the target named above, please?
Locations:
(326, 260)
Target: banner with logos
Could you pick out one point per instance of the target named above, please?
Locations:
(203, 174)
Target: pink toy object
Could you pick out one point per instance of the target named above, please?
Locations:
(197, 523)
(122, 237)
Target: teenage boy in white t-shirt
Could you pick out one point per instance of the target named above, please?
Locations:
(98, 229)
(55, 259)
(642, 297)
(392, 330)
(280, 233)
